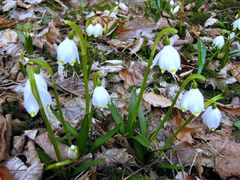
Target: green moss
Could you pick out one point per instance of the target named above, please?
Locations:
(199, 18)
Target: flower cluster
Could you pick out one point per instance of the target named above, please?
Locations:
(30, 102)
(95, 30)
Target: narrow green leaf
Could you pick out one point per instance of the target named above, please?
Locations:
(226, 50)
(237, 124)
(117, 117)
(202, 53)
(21, 36)
(87, 165)
(165, 165)
(83, 134)
(142, 140)
(69, 127)
(45, 158)
(104, 138)
(139, 151)
(235, 53)
(142, 122)
(131, 122)
(28, 44)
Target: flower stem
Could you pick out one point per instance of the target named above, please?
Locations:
(42, 110)
(43, 64)
(135, 110)
(169, 112)
(59, 164)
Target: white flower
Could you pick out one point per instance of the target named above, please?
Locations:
(212, 117)
(98, 30)
(112, 15)
(100, 97)
(168, 59)
(30, 102)
(90, 29)
(73, 152)
(176, 9)
(210, 21)
(123, 6)
(219, 42)
(193, 101)
(236, 24)
(171, 3)
(67, 52)
(231, 35)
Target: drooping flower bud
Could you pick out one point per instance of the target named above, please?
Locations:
(100, 97)
(193, 101)
(30, 102)
(219, 42)
(168, 59)
(212, 117)
(73, 152)
(236, 24)
(90, 29)
(98, 30)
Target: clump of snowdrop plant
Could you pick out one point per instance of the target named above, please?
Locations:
(73, 152)
(94, 30)
(219, 42)
(67, 53)
(168, 59)
(30, 102)
(193, 101)
(212, 117)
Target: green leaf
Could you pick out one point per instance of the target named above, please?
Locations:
(28, 44)
(83, 135)
(131, 122)
(117, 117)
(142, 140)
(69, 127)
(142, 122)
(45, 158)
(202, 53)
(235, 53)
(21, 36)
(165, 165)
(139, 151)
(226, 50)
(104, 138)
(87, 165)
(237, 124)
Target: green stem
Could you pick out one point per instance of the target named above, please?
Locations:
(211, 58)
(44, 116)
(84, 61)
(44, 65)
(59, 164)
(173, 136)
(169, 112)
(135, 110)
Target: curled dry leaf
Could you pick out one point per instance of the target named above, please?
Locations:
(111, 66)
(5, 135)
(229, 108)
(133, 75)
(156, 100)
(21, 171)
(18, 144)
(44, 142)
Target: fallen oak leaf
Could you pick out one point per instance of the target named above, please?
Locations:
(156, 100)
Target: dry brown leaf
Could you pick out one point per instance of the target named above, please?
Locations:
(229, 108)
(133, 75)
(31, 134)
(44, 142)
(21, 171)
(5, 135)
(228, 166)
(5, 174)
(156, 100)
(5, 23)
(236, 72)
(18, 144)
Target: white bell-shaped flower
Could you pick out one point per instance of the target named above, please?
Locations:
(168, 59)
(231, 35)
(176, 9)
(193, 101)
(73, 152)
(219, 42)
(100, 97)
(98, 30)
(171, 2)
(30, 102)
(212, 117)
(236, 24)
(90, 29)
(123, 6)
(67, 52)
